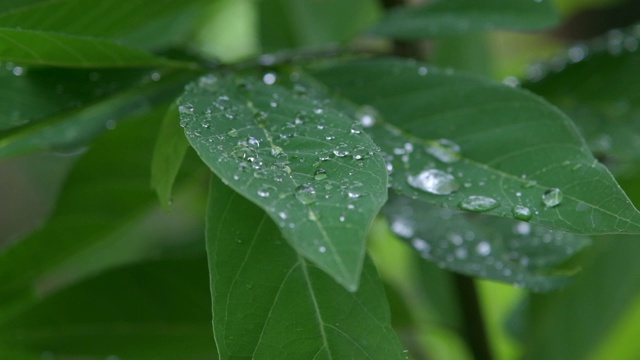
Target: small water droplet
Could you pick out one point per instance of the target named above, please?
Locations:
(269, 78)
(478, 203)
(402, 228)
(483, 248)
(322, 249)
(522, 228)
(320, 174)
(422, 70)
(306, 194)
(461, 253)
(552, 197)
(444, 150)
(233, 133)
(522, 213)
(366, 115)
(420, 245)
(434, 181)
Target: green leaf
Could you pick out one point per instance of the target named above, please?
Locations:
(75, 129)
(460, 141)
(317, 175)
(452, 17)
(271, 303)
(169, 152)
(293, 23)
(117, 19)
(155, 310)
(486, 247)
(608, 119)
(32, 47)
(104, 193)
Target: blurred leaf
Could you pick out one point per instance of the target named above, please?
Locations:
(171, 147)
(461, 141)
(294, 23)
(319, 178)
(453, 17)
(33, 47)
(154, 310)
(99, 18)
(486, 247)
(39, 93)
(75, 129)
(609, 120)
(106, 191)
(270, 303)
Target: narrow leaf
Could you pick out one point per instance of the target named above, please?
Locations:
(452, 17)
(169, 152)
(461, 141)
(320, 178)
(32, 47)
(270, 303)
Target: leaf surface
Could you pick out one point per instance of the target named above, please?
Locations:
(33, 47)
(271, 303)
(464, 142)
(452, 17)
(320, 178)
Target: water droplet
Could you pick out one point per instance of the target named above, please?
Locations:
(444, 150)
(233, 133)
(402, 228)
(320, 174)
(366, 115)
(461, 253)
(483, 248)
(340, 152)
(269, 78)
(322, 249)
(353, 195)
(434, 181)
(422, 70)
(265, 191)
(522, 228)
(420, 245)
(522, 213)
(478, 203)
(552, 197)
(529, 184)
(306, 194)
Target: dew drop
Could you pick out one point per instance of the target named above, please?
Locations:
(478, 203)
(322, 249)
(402, 228)
(483, 248)
(320, 174)
(444, 150)
(269, 78)
(522, 213)
(233, 133)
(366, 115)
(420, 245)
(552, 197)
(306, 194)
(435, 182)
(522, 228)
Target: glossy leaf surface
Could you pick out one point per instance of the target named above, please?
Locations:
(271, 303)
(452, 17)
(486, 247)
(464, 142)
(317, 176)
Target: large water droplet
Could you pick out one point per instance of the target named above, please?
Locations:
(552, 197)
(444, 150)
(478, 203)
(522, 213)
(320, 174)
(306, 194)
(434, 181)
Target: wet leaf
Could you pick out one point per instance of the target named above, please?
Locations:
(463, 142)
(485, 247)
(294, 310)
(452, 17)
(319, 178)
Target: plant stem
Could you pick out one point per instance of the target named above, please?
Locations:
(474, 331)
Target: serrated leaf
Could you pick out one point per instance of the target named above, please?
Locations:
(171, 147)
(271, 303)
(452, 17)
(461, 141)
(155, 310)
(33, 47)
(77, 128)
(295, 156)
(485, 247)
(609, 120)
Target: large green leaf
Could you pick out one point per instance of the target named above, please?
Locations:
(315, 173)
(153, 310)
(76, 128)
(117, 19)
(271, 303)
(609, 120)
(461, 141)
(488, 247)
(451, 17)
(294, 23)
(34, 47)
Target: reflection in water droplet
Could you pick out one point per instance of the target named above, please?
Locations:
(552, 197)
(483, 248)
(444, 150)
(434, 181)
(306, 194)
(522, 213)
(478, 203)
